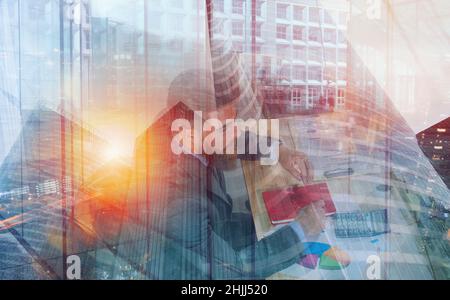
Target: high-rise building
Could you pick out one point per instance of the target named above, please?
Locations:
(297, 49)
(302, 51)
(435, 143)
(40, 188)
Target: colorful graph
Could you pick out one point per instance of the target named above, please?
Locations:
(325, 256)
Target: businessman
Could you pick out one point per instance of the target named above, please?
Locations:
(193, 232)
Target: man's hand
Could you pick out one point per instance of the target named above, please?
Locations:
(312, 218)
(297, 164)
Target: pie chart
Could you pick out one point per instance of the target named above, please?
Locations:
(324, 256)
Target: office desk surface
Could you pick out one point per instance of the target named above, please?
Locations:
(333, 141)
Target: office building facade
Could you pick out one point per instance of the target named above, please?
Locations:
(295, 50)
(435, 143)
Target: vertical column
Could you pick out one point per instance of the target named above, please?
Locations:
(62, 135)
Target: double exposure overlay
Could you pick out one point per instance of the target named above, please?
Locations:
(350, 180)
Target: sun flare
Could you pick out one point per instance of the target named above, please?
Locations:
(117, 150)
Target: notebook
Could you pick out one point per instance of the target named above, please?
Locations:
(284, 205)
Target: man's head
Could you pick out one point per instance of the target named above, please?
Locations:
(195, 88)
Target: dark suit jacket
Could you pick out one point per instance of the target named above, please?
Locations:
(187, 227)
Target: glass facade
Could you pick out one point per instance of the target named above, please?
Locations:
(89, 90)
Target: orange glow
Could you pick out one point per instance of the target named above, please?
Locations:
(116, 150)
